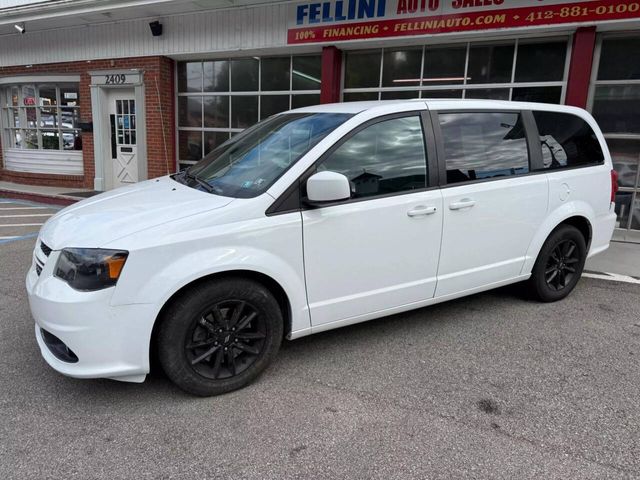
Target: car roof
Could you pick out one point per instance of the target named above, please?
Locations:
(435, 104)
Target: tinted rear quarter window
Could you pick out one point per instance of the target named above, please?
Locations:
(567, 141)
(481, 145)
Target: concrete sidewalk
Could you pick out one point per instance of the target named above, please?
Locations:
(37, 193)
(621, 258)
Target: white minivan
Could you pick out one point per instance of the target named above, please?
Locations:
(314, 219)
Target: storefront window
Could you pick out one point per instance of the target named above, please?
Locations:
(526, 70)
(218, 98)
(615, 104)
(41, 116)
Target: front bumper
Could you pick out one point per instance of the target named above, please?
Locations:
(109, 341)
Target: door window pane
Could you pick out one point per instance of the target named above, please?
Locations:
(567, 140)
(244, 75)
(616, 108)
(401, 68)
(216, 111)
(244, 111)
(483, 145)
(490, 64)
(189, 76)
(307, 72)
(272, 104)
(620, 59)
(362, 69)
(537, 94)
(387, 157)
(274, 74)
(216, 76)
(190, 111)
(540, 62)
(444, 66)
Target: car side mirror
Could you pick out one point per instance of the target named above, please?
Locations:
(327, 187)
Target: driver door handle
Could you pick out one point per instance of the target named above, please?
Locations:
(464, 203)
(422, 210)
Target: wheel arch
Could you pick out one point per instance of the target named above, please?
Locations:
(268, 282)
(579, 216)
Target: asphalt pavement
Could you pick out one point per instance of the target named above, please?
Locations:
(489, 386)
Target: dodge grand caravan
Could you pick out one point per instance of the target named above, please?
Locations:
(314, 219)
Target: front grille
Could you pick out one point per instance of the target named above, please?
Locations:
(58, 348)
(38, 269)
(45, 249)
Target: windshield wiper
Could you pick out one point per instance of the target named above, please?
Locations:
(200, 181)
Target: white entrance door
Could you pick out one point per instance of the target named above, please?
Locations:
(124, 159)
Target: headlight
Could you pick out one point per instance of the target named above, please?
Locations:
(90, 268)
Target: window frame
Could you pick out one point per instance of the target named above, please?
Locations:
(292, 199)
(229, 130)
(423, 90)
(7, 131)
(631, 137)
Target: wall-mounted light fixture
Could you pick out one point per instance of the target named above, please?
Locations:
(20, 27)
(156, 28)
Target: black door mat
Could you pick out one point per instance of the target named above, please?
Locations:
(81, 194)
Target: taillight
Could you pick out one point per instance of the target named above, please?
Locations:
(614, 185)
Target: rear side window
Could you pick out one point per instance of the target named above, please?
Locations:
(483, 145)
(383, 158)
(567, 141)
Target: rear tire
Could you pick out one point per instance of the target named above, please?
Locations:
(219, 336)
(559, 264)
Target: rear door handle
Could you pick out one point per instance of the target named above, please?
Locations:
(422, 210)
(464, 203)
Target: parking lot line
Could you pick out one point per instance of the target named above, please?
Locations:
(21, 237)
(24, 208)
(23, 225)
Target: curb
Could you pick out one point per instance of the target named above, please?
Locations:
(39, 197)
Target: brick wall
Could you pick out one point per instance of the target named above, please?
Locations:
(159, 109)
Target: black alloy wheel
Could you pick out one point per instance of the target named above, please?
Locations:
(226, 340)
(219, 335)
(561, 265)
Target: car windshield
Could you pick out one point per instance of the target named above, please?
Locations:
(247, 165)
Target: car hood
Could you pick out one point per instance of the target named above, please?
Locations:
(109, 216)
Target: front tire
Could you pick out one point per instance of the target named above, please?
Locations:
(559, 264)
(219, 336)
